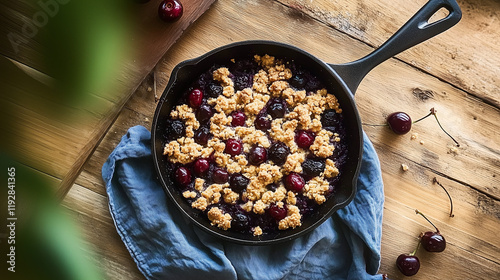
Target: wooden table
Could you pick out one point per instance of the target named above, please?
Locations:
(457, 73)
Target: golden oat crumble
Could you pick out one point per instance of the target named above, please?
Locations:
(222, 75)
(278, 73)
(189, 194)
(217, 217)
(184, 150)
(200, 204)
(331, 169)
(252, 136)
(316, 188)
(259, 207)
(292, 220)
(213, 192)
(257, 231)
(321, 146)
(294, 162)
(291, 199)
(199, 184)
(230, 196)
(266, 61)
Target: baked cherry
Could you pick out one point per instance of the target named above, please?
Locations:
(239, 118)
(220, 176)
(201, 166)
(175, 129)
(313, 167)
(243, 81)
(182, 176)
(304, 139)
(294, 182)
(240, 222)
(298, 80)
(399, 122)
(278, 153)
(214, 90)
(408, 264)
(238, 182)
(202, 135)
(170, 10)
(234, 147)
(262, 122)
(432, 241)
(257, 155)
(278, 213)
(195, 98)
(277, 108)
(204, 113)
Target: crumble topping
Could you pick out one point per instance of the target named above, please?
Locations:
(257, 231)
(217, 217)
(330, 169)
(316, 189)
(304, 110)
(292, 220)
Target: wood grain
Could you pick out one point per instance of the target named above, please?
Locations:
(469, 173)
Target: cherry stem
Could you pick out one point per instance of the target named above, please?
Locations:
(416, 249)
(421, 214)
(449, 196)
(433, 112)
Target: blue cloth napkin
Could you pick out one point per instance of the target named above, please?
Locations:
(165, 245)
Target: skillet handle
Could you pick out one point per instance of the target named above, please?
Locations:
(413, 32)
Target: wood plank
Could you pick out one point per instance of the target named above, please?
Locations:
(470, 174)
(466, 61)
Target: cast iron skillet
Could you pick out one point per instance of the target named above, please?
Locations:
(342, 80)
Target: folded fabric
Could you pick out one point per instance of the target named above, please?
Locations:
(165, 245)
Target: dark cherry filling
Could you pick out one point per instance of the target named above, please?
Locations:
(196, 97)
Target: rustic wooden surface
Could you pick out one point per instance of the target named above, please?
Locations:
(456, 73)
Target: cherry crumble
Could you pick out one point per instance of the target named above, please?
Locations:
(256, 145)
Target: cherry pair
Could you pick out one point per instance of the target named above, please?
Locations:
(409, 264)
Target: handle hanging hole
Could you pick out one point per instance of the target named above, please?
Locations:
(438, 15)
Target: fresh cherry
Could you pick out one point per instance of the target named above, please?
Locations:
(195, 98)
(399, 122)
(170, 10)
(408, 264)
(257, 155)
(278, 213)
(262, 122)
(294, 182)
(201, 166)
(220, 176)
(432, 241)
(239, 118)
(182, 176)
(304, 139)
(278, 153)
(234, 147)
